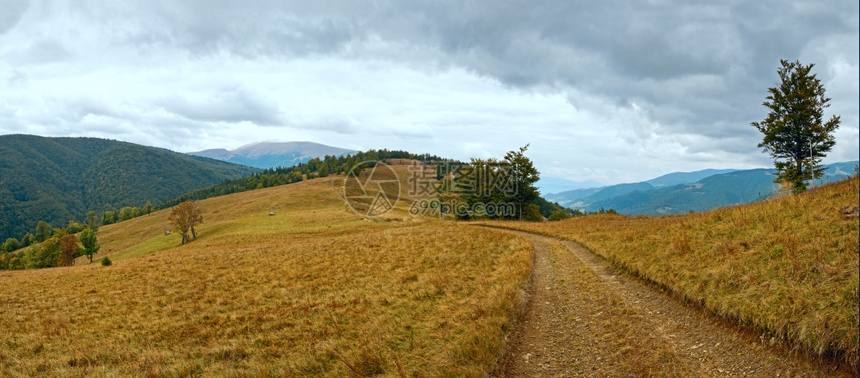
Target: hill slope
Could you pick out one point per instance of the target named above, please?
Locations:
(60, 179)
(314, 290)
(785, 266)
(273, 154)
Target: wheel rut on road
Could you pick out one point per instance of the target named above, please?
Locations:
(586, 319)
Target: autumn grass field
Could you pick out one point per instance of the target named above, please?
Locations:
(786, 267)
(317, 290)
(312, 290)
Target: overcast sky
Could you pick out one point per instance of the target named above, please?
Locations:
(602, 90)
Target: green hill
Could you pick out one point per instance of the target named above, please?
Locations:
(60, 179)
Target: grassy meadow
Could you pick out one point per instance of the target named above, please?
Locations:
(787, 266)
(312, 290)
(318, 290)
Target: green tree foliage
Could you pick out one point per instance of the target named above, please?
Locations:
(490, 185)
(125, 214)
(795, 134)
(93, 220)
(546, 208)
(526, 175)
(147, 208)
(10, 245)
(89, 242)
(74, 227)
(109, 217)
(27, 240)
(43, 231)
(47, 255)
(559, 215)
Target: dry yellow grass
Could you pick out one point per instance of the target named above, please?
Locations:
(313, 290)
(786, 266)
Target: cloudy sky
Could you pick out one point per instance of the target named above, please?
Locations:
(604, 90)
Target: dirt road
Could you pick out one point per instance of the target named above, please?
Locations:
(586, 320)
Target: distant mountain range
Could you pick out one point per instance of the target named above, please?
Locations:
(273, 154)
(682, 192)
(60, 179)
(556, 185)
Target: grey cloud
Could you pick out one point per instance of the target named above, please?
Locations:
(335, 123)
(41, 52)
(12, 12)
(229, 105)
(652, 55)
(695, 70)
(17, 78)
(275, 29)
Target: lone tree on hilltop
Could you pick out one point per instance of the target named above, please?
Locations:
(794, 132)
(184, 217)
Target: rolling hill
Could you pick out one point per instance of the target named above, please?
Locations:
(682, 192)
(785, 267)
(317, 290)
(267, 155)
(60, 179)
(314, 290)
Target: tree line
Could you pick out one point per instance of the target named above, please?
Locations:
(314, 168)
(50, 247)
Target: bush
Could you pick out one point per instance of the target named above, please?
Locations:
(559, 215)
(106, 262)
(531, 213)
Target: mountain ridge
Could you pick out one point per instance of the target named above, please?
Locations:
(60, 179)
(706, 193)
(265, 155)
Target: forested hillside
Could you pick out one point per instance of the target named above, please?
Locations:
(60, 179)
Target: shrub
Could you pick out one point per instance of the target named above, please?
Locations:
(106, 262)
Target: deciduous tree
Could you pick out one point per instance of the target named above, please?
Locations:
(184, 217)
(92, 220)
(795, 134)
(109, 217)
(47, 253)
(148, 208)
(10, 245)
(68, 250)
(90, 243)
(43, 231)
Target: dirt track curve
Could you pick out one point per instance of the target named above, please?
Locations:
(583, 319)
